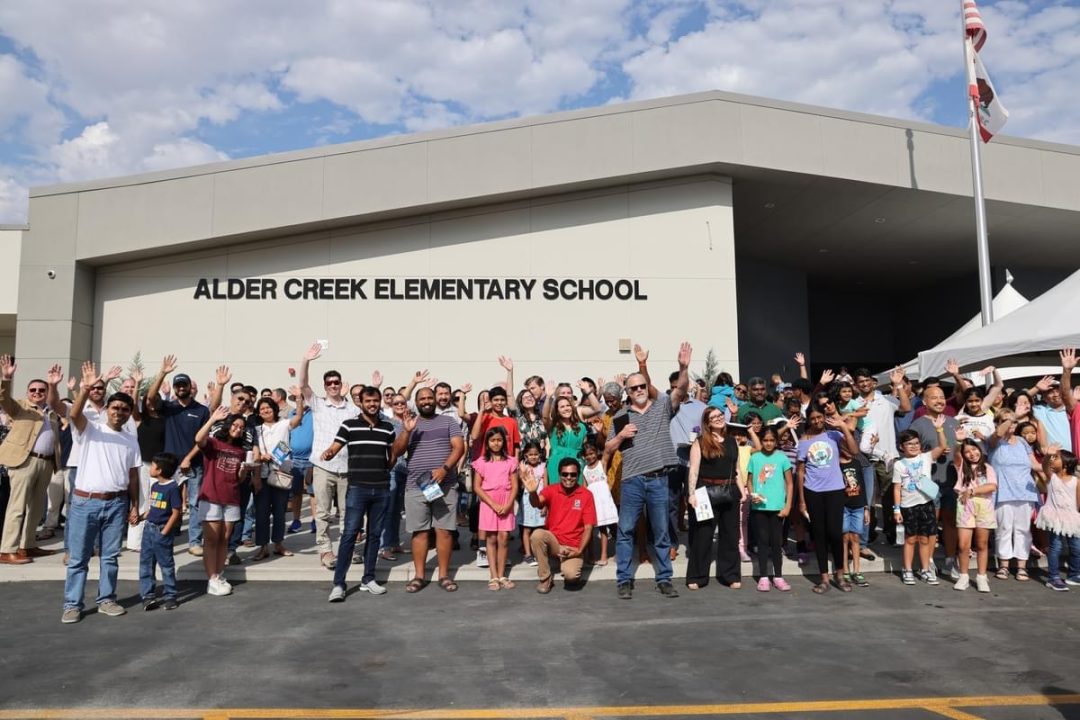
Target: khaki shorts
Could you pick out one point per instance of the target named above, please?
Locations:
(441, 514)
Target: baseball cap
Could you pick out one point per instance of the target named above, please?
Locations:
(181, 379)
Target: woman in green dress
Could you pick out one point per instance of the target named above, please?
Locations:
(566, 434)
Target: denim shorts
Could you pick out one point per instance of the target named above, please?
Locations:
(854, 520)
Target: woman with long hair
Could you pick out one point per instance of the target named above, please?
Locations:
(714, 463)
(1017, 495)
(271, 485)
(567, 434)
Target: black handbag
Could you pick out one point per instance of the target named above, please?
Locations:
(726, 492)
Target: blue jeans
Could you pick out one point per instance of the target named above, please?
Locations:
(91, 522)
(1053, 555)
(868, 481)
(392, 523)
(270, 501)
(650, 494)
(156, 550)
(360, 501)
(241, 528)
(194, 483)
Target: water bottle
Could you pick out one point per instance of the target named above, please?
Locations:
(899, 534)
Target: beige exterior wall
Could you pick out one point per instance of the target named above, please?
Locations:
(675, 238)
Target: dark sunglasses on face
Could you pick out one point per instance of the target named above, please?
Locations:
(36, 390)
(332, 382)
(568, 475)
(635, 388)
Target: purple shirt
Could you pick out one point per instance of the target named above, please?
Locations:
(821, 455)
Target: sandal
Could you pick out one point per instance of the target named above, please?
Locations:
(283, 552)
(1022, 575)
(261, 555)
(601, 563)
(506, 583)
(493, 585)
(842, 584)
(1002, 573)
(447, 584)
(821, 588)
(414, 586)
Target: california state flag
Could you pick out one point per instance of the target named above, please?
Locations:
(989, 112)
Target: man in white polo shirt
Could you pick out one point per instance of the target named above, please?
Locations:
(330, 477)
(106, 494)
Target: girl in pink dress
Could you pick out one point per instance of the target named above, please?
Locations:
(497, 488)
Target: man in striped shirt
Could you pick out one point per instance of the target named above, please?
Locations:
(372, 452)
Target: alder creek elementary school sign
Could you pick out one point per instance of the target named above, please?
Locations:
(347, 288)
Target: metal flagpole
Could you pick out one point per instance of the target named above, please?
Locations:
(985, 292)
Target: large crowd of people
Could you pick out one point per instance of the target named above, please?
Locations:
(761, 472)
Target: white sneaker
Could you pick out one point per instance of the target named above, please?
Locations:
(373, 587)
(481, 558)
(962, 583)
(337, 594)
(214, 586)
(982, 583)
(224, 582)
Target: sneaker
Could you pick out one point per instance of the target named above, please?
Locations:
(763, 585)
(531, 561)
(111, 608)
(234, 559)
(625, 591)
(928, 576)
(195, 550)
(982, 583)
(171, 604)
(667, 590)
(1072, 580)
(294, 527)
(781, 584)
(373, 587)
(859, 579)
(217, 586)
(71, 615)
(337, 594)
(907, 577)
(1057, 584)
(962, 583)
(149, 603)
(481, 558)
(952, 569)
(224, 582)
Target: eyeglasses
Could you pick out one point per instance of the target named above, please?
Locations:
(636, 388)
(398, 403)
(568, 475)
(331, 382)
(97, 388)
(36, 390)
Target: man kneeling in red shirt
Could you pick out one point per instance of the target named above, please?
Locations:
(571, 518)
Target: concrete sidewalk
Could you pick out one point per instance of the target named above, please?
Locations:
(305, 566)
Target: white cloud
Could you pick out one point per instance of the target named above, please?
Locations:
(25, 112)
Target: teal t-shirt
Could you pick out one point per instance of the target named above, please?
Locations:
(767, 475)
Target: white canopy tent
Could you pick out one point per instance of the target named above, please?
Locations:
(1004, 303)
(1045, 325)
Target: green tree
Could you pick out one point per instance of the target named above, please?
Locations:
(712, 369)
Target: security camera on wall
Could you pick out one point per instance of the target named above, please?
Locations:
(51, 274)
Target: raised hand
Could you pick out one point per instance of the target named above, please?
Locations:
(220, 413)
(582, 386)
(800, 359)
(429, 382)
(1045, 384)
(732, 407)
(961, 434)
(952, 367)
(376, 379)
(113, 373)
(313, 352)
(222, 376)
(939, 421)
(641, 355)
(137, 378)
(466, 388)
(294, 390)
(835, 421)
(506, 363)
(7, 367)
(168, 364)
(685, 353)
(71, 383)
(621, 379)
(409, 421)
(988, 371)
(827, 377)
(55, 375)
(420, 376)
(896, 375)
(527, 478)
(1068, 359)
(89, 374)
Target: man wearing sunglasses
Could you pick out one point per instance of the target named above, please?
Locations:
(648, 457)
(329, 477)
(568, 527)
(31, 454)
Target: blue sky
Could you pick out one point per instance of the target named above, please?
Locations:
(106, 88)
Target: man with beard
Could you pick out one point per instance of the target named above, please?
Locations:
(184, 416)
(758, 403)
(648, 457)
(435, 444)
(372, 451)
(568, 526)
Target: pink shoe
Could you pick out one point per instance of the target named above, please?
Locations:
(781, 584)
(763, 585)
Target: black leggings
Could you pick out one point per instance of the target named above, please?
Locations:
(769, 534)
(826, 510)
